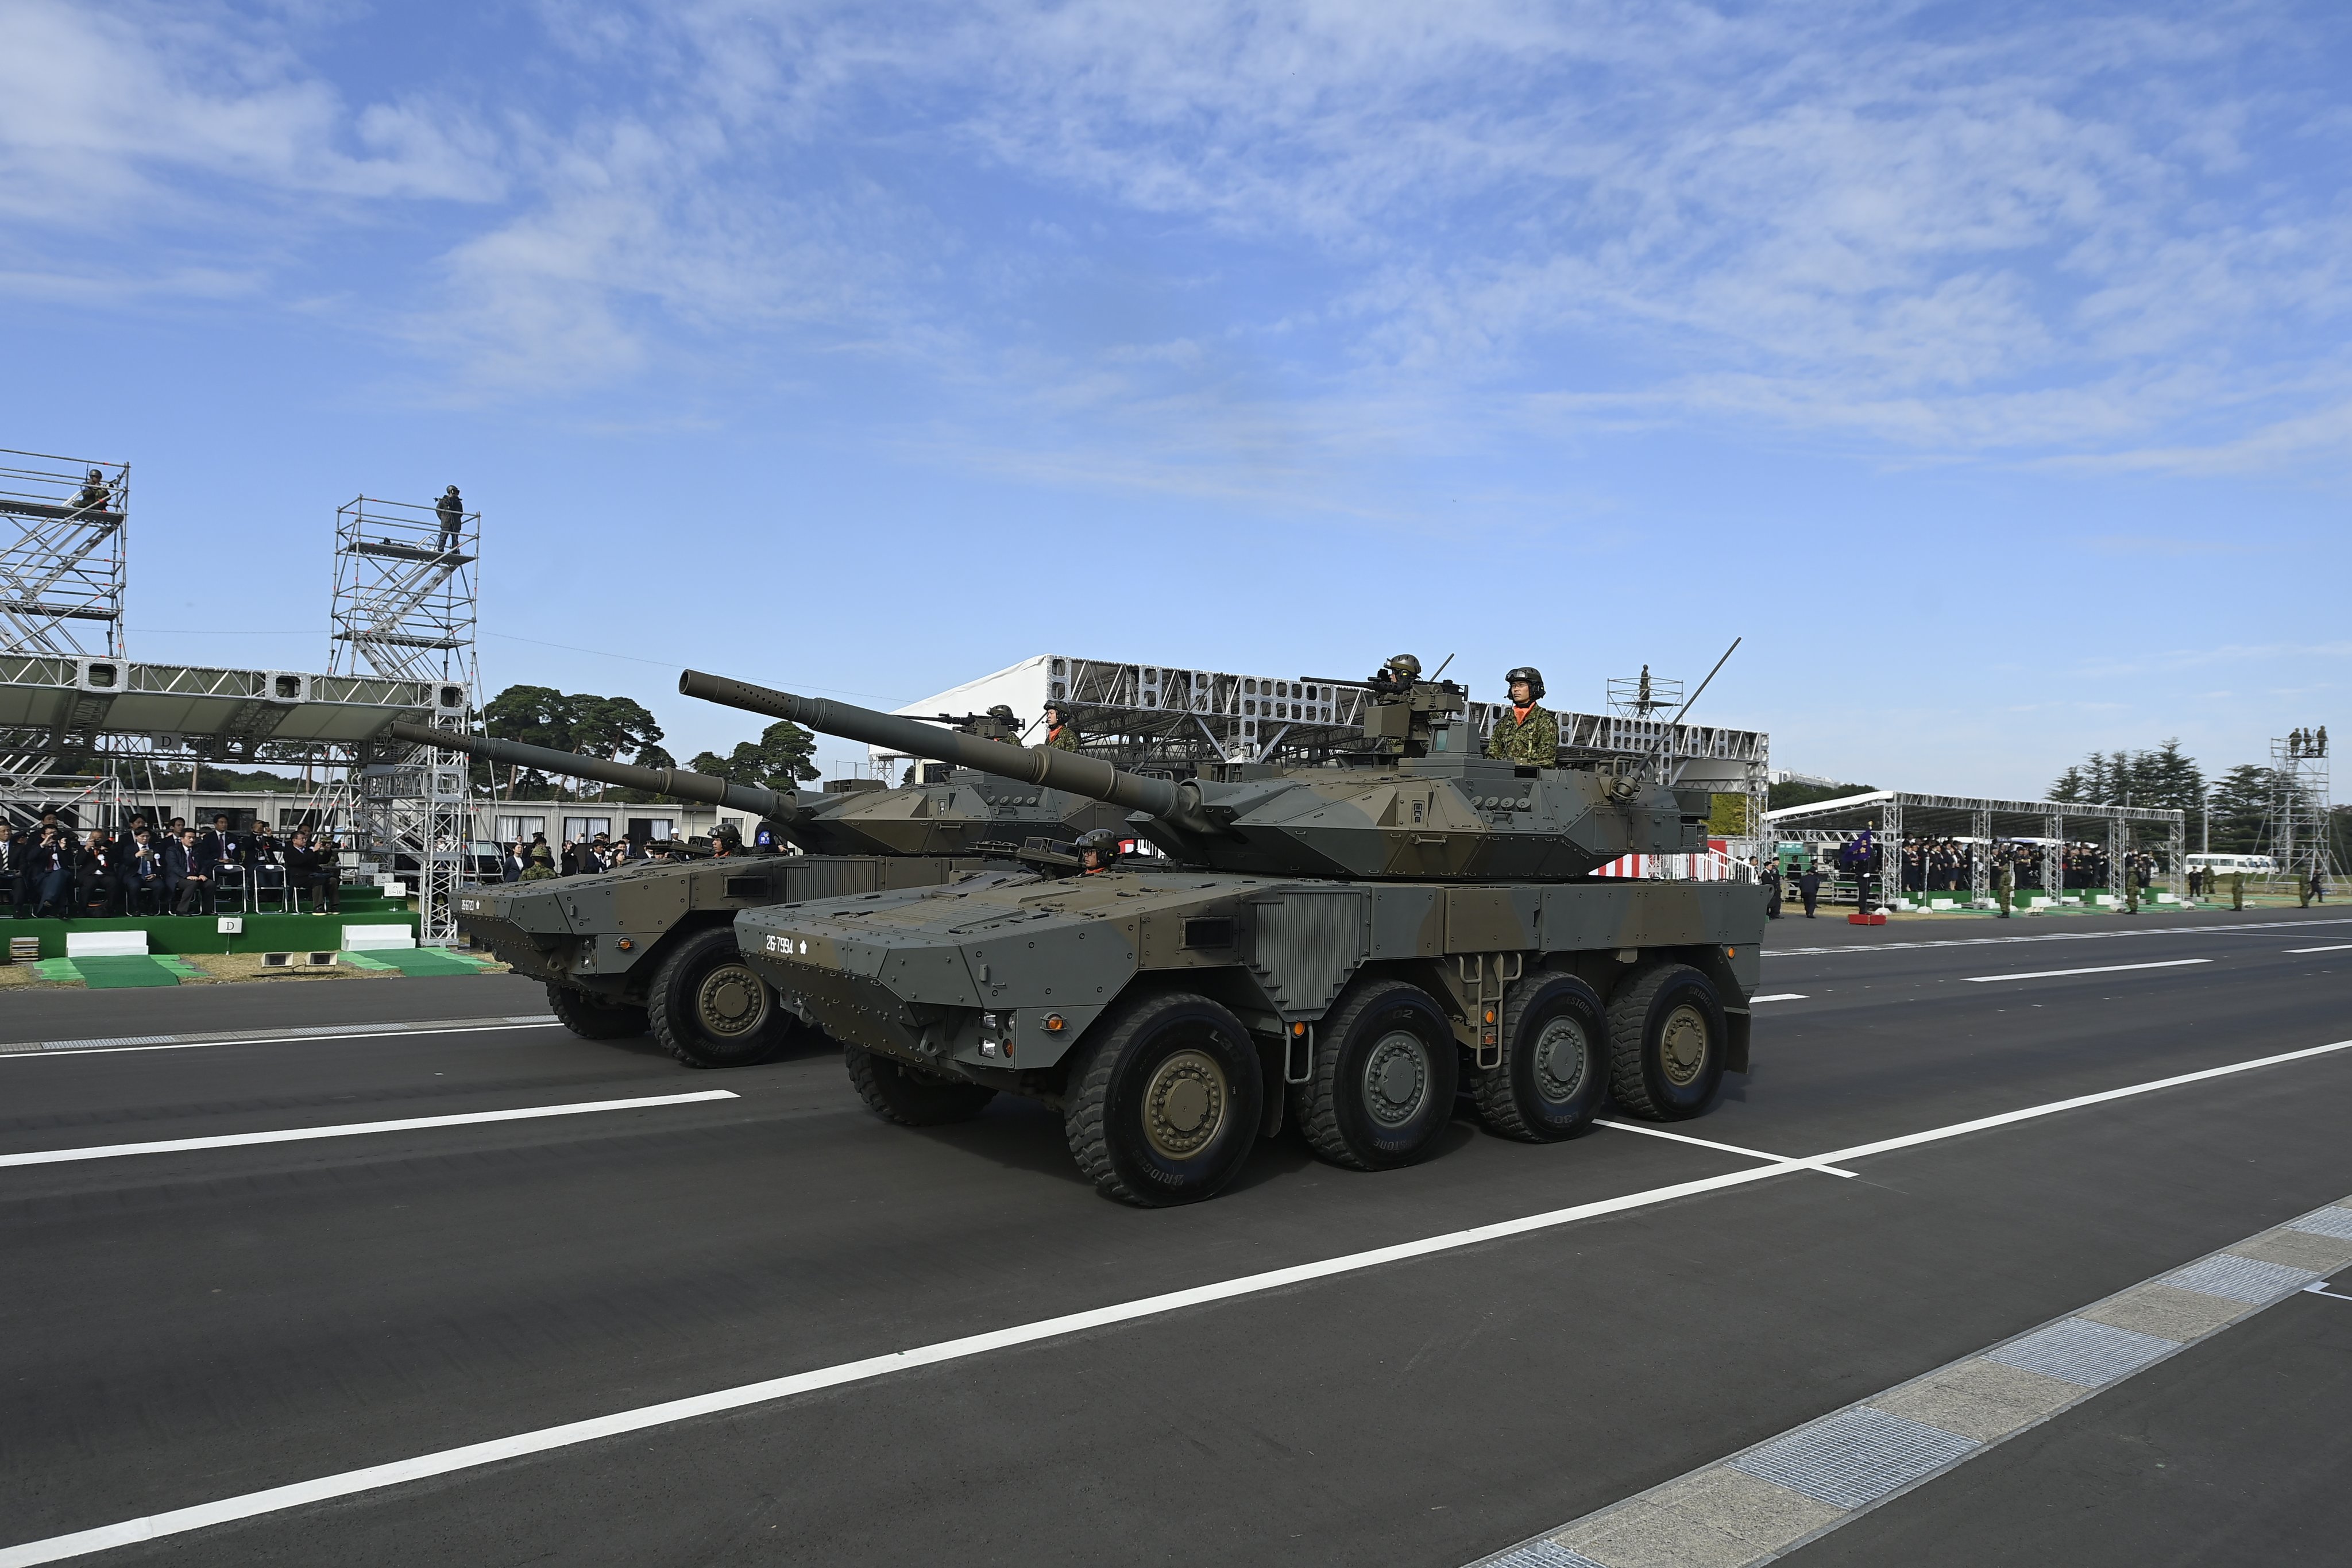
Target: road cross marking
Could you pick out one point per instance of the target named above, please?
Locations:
(1777, 996)
(357, 1129)
(2101, 969)
(2339, 947)
(473, 1456)
(1725, 1148)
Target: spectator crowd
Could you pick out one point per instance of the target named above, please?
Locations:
(56, 871)
(536, 861)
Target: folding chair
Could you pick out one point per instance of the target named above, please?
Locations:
(271, 881)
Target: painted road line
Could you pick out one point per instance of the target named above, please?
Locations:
(1725, 1148)
(359, 1128)
(1777, 996)
(375, 1478)
(2101, 969)
(2341, 947)
(108, 1044)
(2239, 928)
(1766, 1500)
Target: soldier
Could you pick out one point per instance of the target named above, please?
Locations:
(1525, 734)
(94, 493)
(1061, 734)
(2002, 884)
(1397, 675)
(1098, 851)
(2237, 889)
(451, 510)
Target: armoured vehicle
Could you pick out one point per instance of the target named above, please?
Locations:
(1353, 942)
(650, 947)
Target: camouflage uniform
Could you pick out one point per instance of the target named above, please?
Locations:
(1065, 737)
(1533, 741)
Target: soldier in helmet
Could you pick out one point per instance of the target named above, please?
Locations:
(1098, 851)
(1061, 734)
(1397, 675)
(1525, 732)
(999, 723)
(451, 510)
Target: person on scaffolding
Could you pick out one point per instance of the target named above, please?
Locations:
(451, 510)
(94, 494)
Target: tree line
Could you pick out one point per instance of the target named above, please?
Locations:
(619, 728)
(2233, 809)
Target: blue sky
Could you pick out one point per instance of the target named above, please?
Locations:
(1986, 368)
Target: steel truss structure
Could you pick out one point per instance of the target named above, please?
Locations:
(1891, 814)
(63, 526)
(93, 722)
(1148, 717)
(2297, 836)
(405, 607)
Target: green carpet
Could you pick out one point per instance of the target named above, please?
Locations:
(112, 973)
(419, 960)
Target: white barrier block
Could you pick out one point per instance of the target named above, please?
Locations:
(106, 944)
(366, 939)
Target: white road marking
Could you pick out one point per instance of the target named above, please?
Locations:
(355, 1129)
(472, 1455)
(2223, 927)
(1725, 1148)
(2341, 947)
(31, 1050)
(2321, 1290)
(2101, 969)
(1777, 996)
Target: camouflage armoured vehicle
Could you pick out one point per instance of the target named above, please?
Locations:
(1355, 942)
(650, 948)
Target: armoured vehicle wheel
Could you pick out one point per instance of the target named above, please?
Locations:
(1165, 1107)
(1384, 1085)
(1667, 1034)
(591, 1017)
(909, 1096)
(1555, 1060)
(708, 1010)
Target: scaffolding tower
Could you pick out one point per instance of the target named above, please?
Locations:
(62, 522)
(405, 608)
(2296, 835)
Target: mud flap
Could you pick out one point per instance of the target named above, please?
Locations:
(1273, 1057)
(1734, 1046)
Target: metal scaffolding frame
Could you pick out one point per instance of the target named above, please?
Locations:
(1889, 814)
(2296, 834)
(63, 526)
(406, 606)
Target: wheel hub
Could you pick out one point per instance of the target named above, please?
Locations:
(1560, 1059)
(1184, 1104)
(1682, 1045)
(1396, 1077)
(731, 1000)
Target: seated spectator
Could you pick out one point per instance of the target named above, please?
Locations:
(15, 853)
(188, 870)
(143, 876)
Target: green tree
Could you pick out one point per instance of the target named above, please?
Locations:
(615, 728)
(1790, 792)
(778, 760)
(2241, 803)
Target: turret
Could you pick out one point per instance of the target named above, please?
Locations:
(959, 816)
(1429, 814)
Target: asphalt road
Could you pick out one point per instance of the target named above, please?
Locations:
(189, 1325)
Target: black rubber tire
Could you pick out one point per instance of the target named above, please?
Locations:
(591, 1017)
(1137, 1064)
(909, 1096)
(702, 963)
(1334, 1105)
(1540, 1101)
(1639, 1072)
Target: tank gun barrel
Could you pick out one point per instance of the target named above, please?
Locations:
(1068, 770)
(676, 783)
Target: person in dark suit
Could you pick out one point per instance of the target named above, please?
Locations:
(188, 870)
(95, 871)
(50, 873)
(317, 872)
(13, 855)
(1809, 887)
(143, 876)
(516, 862)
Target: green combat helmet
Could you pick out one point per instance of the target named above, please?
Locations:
(1348, 942)
(650, 947)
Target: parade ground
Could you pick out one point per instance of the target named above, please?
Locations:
(356, 1274)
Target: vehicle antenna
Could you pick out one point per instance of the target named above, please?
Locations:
(1441, 669)
(1659, 744)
